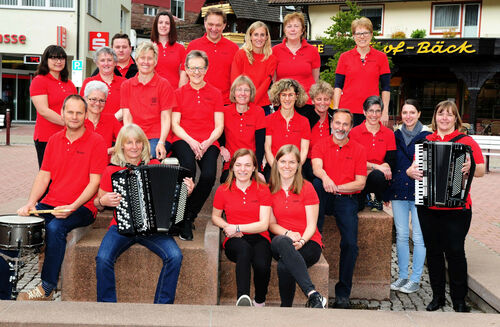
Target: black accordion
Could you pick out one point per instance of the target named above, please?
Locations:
(153, 198)
(443, 183)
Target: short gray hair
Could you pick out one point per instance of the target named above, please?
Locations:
(105, 50)
(196, 54)
(95, 86)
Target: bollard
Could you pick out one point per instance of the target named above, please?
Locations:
(7, 124)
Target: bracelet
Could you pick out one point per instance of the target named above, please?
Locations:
(99, 202)
(237, 228)
(303, 241)
(286, 233)
(161, 142)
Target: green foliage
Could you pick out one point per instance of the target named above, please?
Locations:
(418, 34)
(398, 35)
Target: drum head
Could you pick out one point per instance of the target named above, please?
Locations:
(20, 220)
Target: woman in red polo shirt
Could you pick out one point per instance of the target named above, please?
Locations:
(106, 125)
(197, 123)
(359, 73)
(48, 90)
(445, 229)
(296, 58)
(297, 242)
(147, 100)
(380, 146)
(170, 53)
(244, 124)
(105, 58)
(255, 59)
(246, 203)
(286, 126)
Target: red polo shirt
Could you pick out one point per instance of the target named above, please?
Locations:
(124, 70)
(318, 131)
(56, 91)
(298, 66)
(260, 72)
(377, 145)
(341, 164)
(239, 129)
(108, 127)
(170, 59)
(283, 133)
(70, 166)
(220, 57)
(113, 99)
(290, 211)
(197, 108)
(477, 154)
(106, 183)
(146, 102)
(361, 78)
(243, 207)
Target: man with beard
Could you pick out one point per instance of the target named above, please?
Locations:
(339, 165)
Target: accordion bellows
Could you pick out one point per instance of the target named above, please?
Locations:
(153, 198)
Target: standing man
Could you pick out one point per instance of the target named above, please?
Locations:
(74, 160)
(220, 52)
(125, 66)
(339, 165)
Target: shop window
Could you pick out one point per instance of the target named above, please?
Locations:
(462, 18)
(56, 4)
(177, 8)
(150, 10)
(123, 20)
(374, 13)
(92, 7)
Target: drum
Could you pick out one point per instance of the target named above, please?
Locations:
(21, 232)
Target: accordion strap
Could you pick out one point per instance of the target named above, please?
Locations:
(457, 138)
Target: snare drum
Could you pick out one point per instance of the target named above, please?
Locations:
(21, 232)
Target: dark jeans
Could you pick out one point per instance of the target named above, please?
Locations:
(307, 170)
(358, 119)
(376, 184)
(345, 210)
(114, 244)
(56, 231)
(444, 234)
(40, 151)
(208, 172)
(292, 266)
(153, 143)
(223, 176)
(5, 274)
(251, 251)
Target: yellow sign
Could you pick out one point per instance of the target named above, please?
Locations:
(424, 47)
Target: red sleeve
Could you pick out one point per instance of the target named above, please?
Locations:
(219, 103)
(384, 64)
(341, 67)
(264, 195)
(219, 198)
(316, 60)
(391, 141)
(477, 153)
(178, 100)
(269, 125)
(317, 150)
(106, 179)
(99, 156)
(306, 129)
(360, 162)
(124, 95)
(117, 126)
(309, 194)
(38, 86)
(261, 119)
(237, 65)
(167, 96)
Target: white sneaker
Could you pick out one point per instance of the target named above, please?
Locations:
(259, 305)
(410, 287)
(244, 301)
(400, 282)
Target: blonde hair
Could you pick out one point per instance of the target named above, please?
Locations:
(146, 46)
(248, 46)
(286, 84)
(238, 154)
(300, 17)
(127, 132)
(275, 179)
(240, 80)
(361, 22)
(321, 87)
(450, 106)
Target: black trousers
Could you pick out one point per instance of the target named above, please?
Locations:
(208, 171)
(40, 151)
(358, 119)
(376, 184)
(444, 234)
(251, 251)
(307, 170)
(292, 266)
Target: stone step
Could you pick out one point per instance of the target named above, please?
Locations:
(137, 269)
(372, 274)
(227, 282)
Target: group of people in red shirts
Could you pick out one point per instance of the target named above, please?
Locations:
(289, 159)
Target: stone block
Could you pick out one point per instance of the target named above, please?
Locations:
(372, 274)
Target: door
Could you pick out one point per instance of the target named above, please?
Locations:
(15, 92)
(471, 20)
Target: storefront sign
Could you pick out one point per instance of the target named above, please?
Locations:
(12, 38)
(98, 40)
(61, 36)
(430, 47)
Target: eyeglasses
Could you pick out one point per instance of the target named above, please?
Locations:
(56, 58)
(362, 34)
(196, 69)
(101, 101)
(242, 90)
(374, 112)
(287, 95)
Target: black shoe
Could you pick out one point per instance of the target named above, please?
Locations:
(186, 232)
(436, 303)
(174, 230)
(315, 300)
(461, 307)
(342, 303)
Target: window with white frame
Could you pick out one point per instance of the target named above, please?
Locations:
(461, 17)
(92, 7)
(177, 8)
(374, 13)
(150, 10)
(35, 4)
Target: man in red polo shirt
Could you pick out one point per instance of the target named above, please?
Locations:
(220, 52)
(125, 66)
(74, 160)
(340, 167)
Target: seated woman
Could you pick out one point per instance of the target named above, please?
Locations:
(285, 126)
(132, 148)
(321, 95)
(96, 93)
(197, 123)
(297, 244)
(246, 203)
(380, 146)
(244, 124)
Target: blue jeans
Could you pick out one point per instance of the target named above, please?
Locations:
(401, 210)
(5, 274)
(56, 231)
(114, 244)
(345, 210)
(153, 143)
